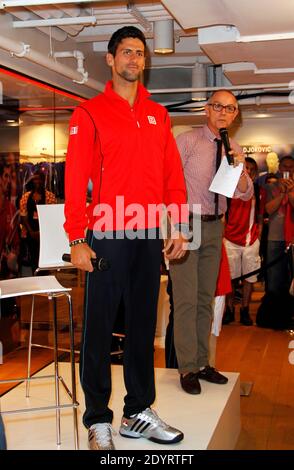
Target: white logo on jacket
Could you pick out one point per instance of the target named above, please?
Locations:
(152, 120)
(73, 130)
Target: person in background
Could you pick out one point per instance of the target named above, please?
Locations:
(243, 230)
(270, 179)
(122, 141)
(12, 160)
(280, 208)
(36, 194)
(277, 305)
(194, 277)
(9, 223)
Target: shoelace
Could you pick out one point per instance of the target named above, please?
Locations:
(152, 417)
(103, 433)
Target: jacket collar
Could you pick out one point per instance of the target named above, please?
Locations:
(142, 93)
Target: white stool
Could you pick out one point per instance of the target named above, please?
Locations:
(49, 286)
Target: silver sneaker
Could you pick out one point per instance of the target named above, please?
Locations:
(100, 437)
(148, 424)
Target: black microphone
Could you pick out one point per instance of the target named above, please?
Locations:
(99, 264)
(225, 140)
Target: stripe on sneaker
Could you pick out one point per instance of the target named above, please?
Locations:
(145, 427)
(134, 425)
(140, 426)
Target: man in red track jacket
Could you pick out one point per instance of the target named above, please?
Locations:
(122, 142)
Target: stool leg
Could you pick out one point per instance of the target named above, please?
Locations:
(56, 373)
(73, 373)
(30, 349)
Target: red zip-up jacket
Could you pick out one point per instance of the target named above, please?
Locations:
(126, 152)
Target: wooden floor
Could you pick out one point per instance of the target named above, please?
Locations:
(260, 355)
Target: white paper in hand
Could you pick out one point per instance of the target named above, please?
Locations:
(226, 178)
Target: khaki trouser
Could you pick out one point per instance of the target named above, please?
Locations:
(194, 282)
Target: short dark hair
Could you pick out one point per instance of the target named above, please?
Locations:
(251, 160)
(269, 176)
(286, 157)
(30, 182)
(123, 33)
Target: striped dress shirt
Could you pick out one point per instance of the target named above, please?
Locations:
(198, 153)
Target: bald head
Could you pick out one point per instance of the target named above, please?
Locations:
(218, 94)
(221, 110)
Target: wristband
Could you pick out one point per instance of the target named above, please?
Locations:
(78, 241)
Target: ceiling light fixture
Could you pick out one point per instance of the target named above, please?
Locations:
(198, 81)
(163, 37)
(23, 3)
(55, 22)
(265, 37)
(263, 115)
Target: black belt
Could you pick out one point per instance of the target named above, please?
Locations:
(206, 217)
(210, 217)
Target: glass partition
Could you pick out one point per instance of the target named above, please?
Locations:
(34, 121)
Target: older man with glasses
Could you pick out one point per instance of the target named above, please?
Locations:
(194, 276)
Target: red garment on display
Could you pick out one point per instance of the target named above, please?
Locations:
(223, 284)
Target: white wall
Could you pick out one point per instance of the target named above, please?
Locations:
(266, 131)
(37, 141)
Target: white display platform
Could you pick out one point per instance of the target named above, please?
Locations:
(210, 420)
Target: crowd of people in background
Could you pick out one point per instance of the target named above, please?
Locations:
(22, 186)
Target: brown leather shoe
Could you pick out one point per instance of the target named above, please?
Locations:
(210, 374)
(190, 383)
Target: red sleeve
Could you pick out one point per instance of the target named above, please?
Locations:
(174, 183)
(79, 162)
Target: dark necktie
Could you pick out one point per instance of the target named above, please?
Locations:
(217, 164)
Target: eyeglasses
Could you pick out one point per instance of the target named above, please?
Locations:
(229, 108)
